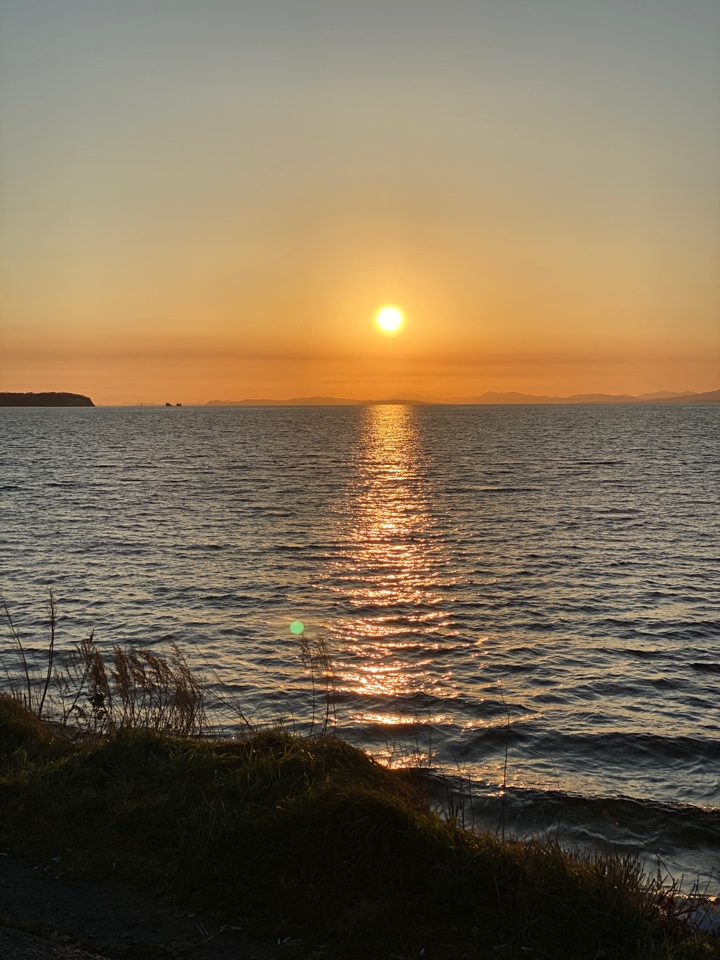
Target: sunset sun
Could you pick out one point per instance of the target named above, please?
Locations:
(389, 319)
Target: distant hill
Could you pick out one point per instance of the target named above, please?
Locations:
(712, 396)
(492, 397)
(407, 401)
(44, 400)
(663, 396)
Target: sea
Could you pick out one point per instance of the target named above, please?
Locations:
(522, 600)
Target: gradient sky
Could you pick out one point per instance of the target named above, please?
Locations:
(210, 200)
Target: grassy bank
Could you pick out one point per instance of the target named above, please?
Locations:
(311, 836)
(103, 762)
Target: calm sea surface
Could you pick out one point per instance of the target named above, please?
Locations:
(538, 580)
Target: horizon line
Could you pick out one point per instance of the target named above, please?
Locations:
(487, 398)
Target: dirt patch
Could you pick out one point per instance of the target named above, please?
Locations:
(59, 913)
(15, 945)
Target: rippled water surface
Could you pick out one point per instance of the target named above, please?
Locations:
(537, 580)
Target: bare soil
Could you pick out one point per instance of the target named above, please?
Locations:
(48, 914)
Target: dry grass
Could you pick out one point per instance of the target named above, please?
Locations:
(315, 657)
(97, 694)
(138, 689)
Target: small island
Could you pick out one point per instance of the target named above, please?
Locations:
(44, 400)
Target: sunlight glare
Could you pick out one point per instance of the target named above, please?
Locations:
(389, 319)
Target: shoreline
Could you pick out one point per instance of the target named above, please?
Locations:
(311, 836)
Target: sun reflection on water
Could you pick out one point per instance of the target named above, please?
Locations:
(392, 571)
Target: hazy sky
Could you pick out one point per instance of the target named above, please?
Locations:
(209, 199)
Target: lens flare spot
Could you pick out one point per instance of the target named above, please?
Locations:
(297, 627)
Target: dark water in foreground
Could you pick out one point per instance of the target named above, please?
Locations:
(541, 580)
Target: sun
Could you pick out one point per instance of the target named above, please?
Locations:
(389, 319)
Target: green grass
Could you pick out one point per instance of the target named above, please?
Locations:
(311, 836)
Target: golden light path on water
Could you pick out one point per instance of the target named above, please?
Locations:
(392, 574)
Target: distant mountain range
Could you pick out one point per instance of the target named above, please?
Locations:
(295, 402)
(662, 396)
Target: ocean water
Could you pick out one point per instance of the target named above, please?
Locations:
(524, 599)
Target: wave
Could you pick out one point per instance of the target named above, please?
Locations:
(686, 835)
(627, 748)
(705, 666)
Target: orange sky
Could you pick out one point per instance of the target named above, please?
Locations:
(211, 201)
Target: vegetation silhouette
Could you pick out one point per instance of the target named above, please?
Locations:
(45, 400)
(301, 834)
